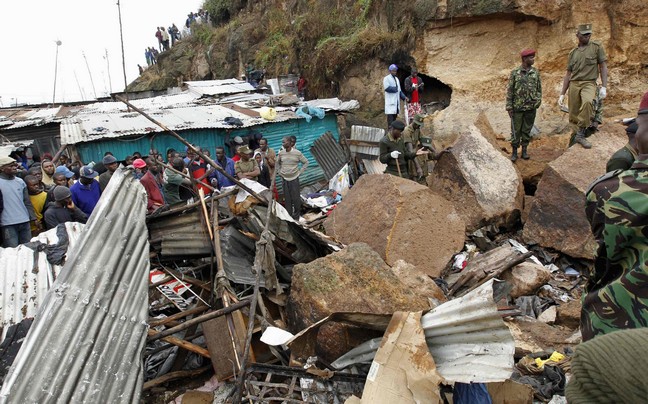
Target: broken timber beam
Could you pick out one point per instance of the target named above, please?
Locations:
(181, 343)
(200, 319)
(181, 374)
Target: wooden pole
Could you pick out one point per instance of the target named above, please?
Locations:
(155, 335)
(200, 319)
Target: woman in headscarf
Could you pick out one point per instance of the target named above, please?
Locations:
(264, 176)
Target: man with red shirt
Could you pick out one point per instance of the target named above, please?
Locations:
(413, 85)
(151, 184)
(198, 170)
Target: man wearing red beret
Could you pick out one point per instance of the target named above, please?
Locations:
(584, 64)
(523, 98)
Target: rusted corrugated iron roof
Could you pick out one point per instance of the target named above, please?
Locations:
(180, 235)
(87, 340)
(27, 275)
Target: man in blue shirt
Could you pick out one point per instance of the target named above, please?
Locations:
(17, 209)
(218, 180)
(86, 192)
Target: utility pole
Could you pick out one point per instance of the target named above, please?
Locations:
(90, 74)
(121, 35)
(58, 43)
(79, 86)
(108, 64)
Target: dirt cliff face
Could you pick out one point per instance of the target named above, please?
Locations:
(464, 50)
(474, 54)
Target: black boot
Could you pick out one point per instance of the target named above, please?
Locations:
(580, 139)
(514, 155)
(525, 156)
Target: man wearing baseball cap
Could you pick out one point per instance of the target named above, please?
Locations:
(87, 191)
(523, 98)
(584, 64)
(393, 94)
(17, 210)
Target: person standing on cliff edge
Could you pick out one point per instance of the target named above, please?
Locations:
(523, 97)
(584, 64)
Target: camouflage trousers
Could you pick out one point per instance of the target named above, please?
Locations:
(522, 122)
(621, 304)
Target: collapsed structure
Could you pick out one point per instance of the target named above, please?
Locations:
(414, 287)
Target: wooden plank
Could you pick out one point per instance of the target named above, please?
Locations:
(219, 344)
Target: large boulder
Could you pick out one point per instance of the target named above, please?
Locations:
(482, 183)
(399, 219)
(355, 279)
(557, 215)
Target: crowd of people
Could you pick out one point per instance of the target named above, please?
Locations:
(50, 191)
(168, 36)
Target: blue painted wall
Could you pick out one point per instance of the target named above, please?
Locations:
(305, 132)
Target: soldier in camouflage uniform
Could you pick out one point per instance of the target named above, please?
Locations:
(617, 209)
(523, 98)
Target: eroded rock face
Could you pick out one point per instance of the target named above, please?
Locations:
(483, 184)
(355, 279)
(399, 219)
(557, 215)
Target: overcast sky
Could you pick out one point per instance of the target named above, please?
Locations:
(90, 27)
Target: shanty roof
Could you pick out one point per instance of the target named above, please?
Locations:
(14, 119)
(188, 110)
(218, 87)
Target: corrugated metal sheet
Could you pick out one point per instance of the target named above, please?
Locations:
(468, 339)
(96, 126)
(374, 166)
(179, 235)
(26, 276)
(333, 104)
(329, 155)
(34, 117)
(87, 340)
(366, 134)
(219, 87)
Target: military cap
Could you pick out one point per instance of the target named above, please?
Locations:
(585, 29)
(426, 142)
(527, 52)
(418, 119)
(643, 106)
(398, 125)
(244, 150)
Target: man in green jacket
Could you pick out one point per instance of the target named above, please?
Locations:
(523, 97)
(394, 153)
